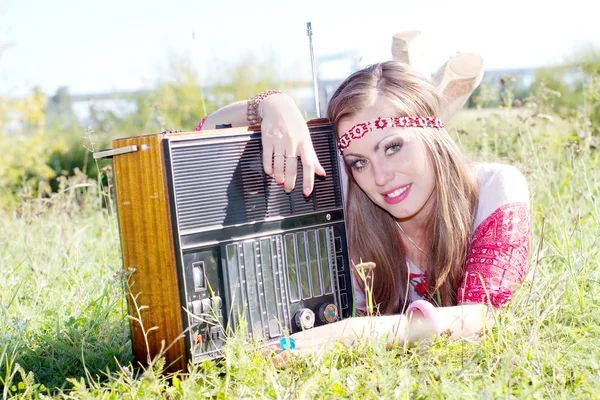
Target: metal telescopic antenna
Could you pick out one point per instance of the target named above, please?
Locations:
(314, 69)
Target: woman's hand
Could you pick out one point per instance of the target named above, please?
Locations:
(314, 340)
(285, 136)
(326, 336)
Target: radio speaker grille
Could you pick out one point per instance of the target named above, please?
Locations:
(241, 192)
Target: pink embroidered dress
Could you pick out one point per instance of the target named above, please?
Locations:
(499, 249)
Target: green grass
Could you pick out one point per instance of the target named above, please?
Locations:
(64, 330)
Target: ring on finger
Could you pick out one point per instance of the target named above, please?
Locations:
(278, 154)
(292, 156)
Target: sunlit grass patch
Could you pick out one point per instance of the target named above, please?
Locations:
(64, 328)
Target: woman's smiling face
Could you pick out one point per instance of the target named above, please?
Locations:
(391, 165)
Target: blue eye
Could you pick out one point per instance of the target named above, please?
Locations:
(392, 148)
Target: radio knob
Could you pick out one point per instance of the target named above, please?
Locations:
(206, 306)
(305, 319)
(328, 313)
(196, 307)
(217, 302)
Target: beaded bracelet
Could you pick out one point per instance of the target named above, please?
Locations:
(252, 114)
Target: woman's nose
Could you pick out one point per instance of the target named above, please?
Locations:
(383, 174)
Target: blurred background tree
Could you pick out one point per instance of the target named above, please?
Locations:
(26, 142)
(43, 138)
(572, 91)
(46, 139)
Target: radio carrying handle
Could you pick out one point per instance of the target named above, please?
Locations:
(109, 153)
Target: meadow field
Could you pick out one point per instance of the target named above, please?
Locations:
(64, 326)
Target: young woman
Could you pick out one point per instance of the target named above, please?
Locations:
(450, 240)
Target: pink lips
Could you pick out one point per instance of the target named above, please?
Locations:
(397, 199)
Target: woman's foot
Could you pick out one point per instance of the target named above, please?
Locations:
(407, 47)
(456, 80)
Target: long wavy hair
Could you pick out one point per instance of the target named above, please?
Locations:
(372, 231)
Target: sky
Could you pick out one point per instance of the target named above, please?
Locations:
(114, 45)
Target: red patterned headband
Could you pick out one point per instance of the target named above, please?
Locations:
(359, 130)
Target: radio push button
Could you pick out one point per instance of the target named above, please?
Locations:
(328, 313)
(196, 307)
(338, 244)
(304, 318)
(206, 305)
(217, 302)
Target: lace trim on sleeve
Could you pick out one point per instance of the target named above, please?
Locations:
(498, 257)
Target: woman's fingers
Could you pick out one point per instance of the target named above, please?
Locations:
(283, 358)
(267, 156)
(282, 164)
(279, 357)
(291, 171)
(279, 165)
(310, 166)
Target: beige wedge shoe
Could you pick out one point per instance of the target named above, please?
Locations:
(456, 80)
(408, 47)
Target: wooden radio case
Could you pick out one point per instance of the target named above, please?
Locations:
(211, 242)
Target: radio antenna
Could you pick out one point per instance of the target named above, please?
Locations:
(314, 69)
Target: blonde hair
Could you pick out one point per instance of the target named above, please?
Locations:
(372, 232)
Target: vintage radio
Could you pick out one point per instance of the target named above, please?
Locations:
(212, 242)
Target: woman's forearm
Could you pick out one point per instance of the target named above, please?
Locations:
(466, 320)
(398, 329)
(394, 329)
(234, 114)
(462, 321)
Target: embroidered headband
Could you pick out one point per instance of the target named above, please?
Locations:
(359, 130)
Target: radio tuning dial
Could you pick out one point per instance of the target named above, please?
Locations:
(304, 318)
(328, 313)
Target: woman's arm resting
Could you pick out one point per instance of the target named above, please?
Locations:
(234, 114)
(465, 320)
(462, 321)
